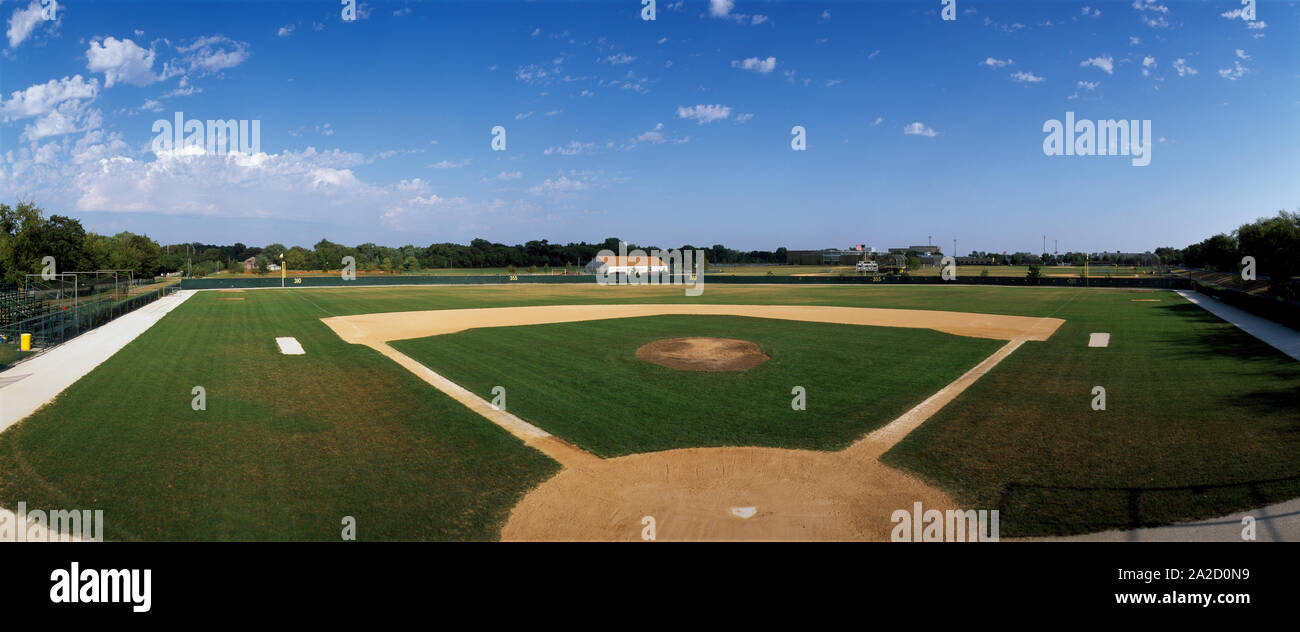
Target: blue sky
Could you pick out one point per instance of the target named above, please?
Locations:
(664, 132)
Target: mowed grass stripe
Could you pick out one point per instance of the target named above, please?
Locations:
(582, 381)
(287, 447)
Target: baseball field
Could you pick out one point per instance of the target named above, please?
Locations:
(750, 412)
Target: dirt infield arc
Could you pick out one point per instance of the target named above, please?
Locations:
(690, 493)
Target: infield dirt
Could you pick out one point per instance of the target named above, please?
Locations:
(690, 493)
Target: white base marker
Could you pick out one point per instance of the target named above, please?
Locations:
(1099, 340)
(744, 512)
(290, 346)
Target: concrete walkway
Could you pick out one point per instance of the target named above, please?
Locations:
(1275, 523)
(32, 383)
(1282, 338)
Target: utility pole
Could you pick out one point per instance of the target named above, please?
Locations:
(954, 247)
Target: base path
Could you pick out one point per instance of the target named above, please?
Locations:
(708, 493)
(1280, 337)
(32, 383)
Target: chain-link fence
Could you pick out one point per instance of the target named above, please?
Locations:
(52, 320)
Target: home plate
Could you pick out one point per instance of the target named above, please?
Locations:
(290, 346)
(744, 512)
(1099, 340)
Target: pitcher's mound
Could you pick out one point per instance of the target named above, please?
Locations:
(703, 354)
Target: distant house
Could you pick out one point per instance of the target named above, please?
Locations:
(249, 264)
(627, 265)
(273, 267)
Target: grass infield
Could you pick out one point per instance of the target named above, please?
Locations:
(582, 381)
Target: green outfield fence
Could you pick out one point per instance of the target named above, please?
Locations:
(1170, 283)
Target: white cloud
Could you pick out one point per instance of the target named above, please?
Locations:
(24, 21)
(919, 129)
(1150, 5)
(522, 115)
(183, 89)
(560, 185)
(995, 63)
(215, 53)
(285, 31)
(450, 164)
(621, 58)
(1088, 85)
(121, 61)
(1026, 77)
(762, 66)
(1134, 41)
(151, 105)
(758, 19)
(68, 117)
(1241, 54)
(1106, 63)
(1148, 64)
(402, 11)
(1183, 69)
(43, 97)
(573, 148)
(704, 113)
(655, 136)
(1234, 73)
(720, 8)
(1089, 11)
(741, 118)
(1257, 25)
(878, 121)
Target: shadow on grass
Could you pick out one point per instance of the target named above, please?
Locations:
(1218, 341)
(1062, 510)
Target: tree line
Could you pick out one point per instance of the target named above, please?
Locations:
(27, 235)
(1274, 243)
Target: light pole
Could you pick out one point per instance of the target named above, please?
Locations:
(282, 271)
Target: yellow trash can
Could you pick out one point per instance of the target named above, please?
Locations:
(25, 342)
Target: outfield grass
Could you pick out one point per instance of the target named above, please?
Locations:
(1201, 419)
(582, 381)
(287, 447)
